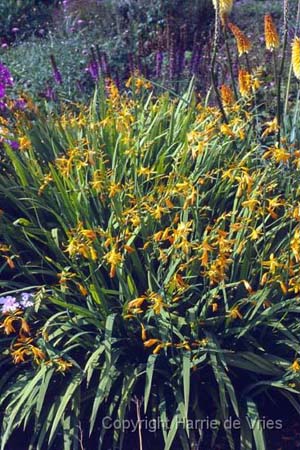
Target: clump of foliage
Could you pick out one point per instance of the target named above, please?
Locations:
(158, 239)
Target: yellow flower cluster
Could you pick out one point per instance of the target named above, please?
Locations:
(224, 7)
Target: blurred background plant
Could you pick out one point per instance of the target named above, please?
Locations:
(161, 39)
(167, 42)
(24, 18)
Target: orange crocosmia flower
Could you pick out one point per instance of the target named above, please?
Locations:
(137, 302)
(24, 348)
(214, 307)
(9, 261)
(62, 365)
(143, 333)
(151, 342)
(271, 127)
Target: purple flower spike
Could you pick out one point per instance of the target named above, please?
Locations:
(104, 64)
(56, 73)
(5, 75)
(57, 77)
(158, 63)
(20, 104)
(93, 69)
(49, 94)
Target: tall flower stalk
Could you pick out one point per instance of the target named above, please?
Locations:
(288, 86)
(56, 72)
(272, 44)
(280, 72)
(214, 57)
(230, 62)
(295, 64)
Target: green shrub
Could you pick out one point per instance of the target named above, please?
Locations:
(164, 257)
(161, 240)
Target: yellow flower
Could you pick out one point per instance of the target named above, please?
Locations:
(296, 57)
(82, 289)
(159, 347)
(294, 284)
(272, 264)
(145, 171)
(279, 154)
(226, 130)
(4, 248)
(182, 231)
(234, 313)
(295, 367)
(24, 348)
(98, 181)
(12, 319)
(114, 189)
(84, 249)
(295, 245)
(245, 82)
(89, 234)
(24, 143)
(114, 258)
(62, 365)
(138, 82)
(242, 42)
(274, 203)
(37, 354)
(224, 6)
(271, 127)
(271, 35)
(251, 204)
(157, 302)
(113, 91)
(47, 179)
(296, 213)
(255, 233)
(206, 249)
